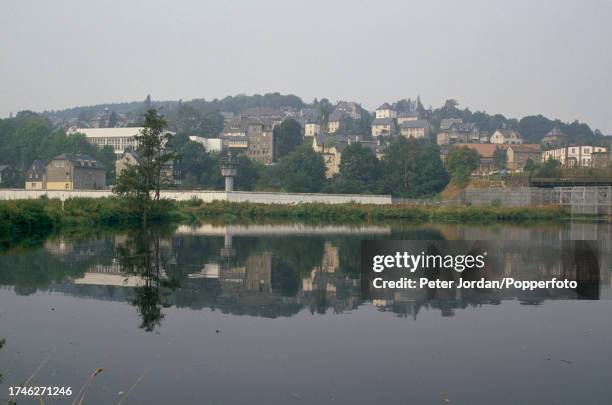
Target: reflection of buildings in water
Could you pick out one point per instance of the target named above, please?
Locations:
(581, 261)
(324, 282)
(67, 250)
(113, 275)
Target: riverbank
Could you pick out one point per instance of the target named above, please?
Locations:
(195, 210)
(22, 219)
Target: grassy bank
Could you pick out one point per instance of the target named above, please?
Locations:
(193, 211)
(23, 220)
(36, 219)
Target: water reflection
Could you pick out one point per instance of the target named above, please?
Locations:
(274, 271)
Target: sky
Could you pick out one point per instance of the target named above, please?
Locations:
(519, 57)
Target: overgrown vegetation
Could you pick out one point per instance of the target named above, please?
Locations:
(33, 220)
(195, 210)
(22, 220)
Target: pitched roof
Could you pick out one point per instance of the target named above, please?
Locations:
(37, 166)
(464, 126)
(510, 133)
(526, 147)
(408, 114)
(555, 132)
(385, 106)
(447, 122)
(80, 160)
(415, 124)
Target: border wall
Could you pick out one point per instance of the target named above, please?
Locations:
(209, 196)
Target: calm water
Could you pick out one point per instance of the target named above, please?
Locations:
(273, 315)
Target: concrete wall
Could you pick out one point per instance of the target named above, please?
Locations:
(208, 196)
(296, 198)
(508, 197)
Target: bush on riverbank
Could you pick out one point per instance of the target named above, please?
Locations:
(21, 219)
(26, 218)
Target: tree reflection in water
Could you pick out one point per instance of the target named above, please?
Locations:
(140, 256)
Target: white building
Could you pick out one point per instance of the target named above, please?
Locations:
(506, 137)
(386, 111)
(383, 127)
(573, 156)
(311, 129)
(119, 138)
(407, 116)
(415, 129)
(210, 144)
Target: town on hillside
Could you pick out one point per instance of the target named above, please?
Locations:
(88, 147)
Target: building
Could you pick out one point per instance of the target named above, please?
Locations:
(210, 144)
(506, 136)
(260, 137)
(487, 155)
(266, 113)
(573, 156)
(417, 129)
(253, 136)
(170, 174)
(332, 146)
(7, 175)
(385, 111)
(350, 108)
(555, 138)
(407, 116)
(602, 159)
(36, 177)
(312, 129)
(333, 123)
(120, 139)
(75, 172)
(383, 127)
(446, 123)
(517, 155)
(457, 131)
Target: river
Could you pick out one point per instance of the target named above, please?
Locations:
(273, 314)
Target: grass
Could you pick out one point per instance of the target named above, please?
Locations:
(192, 211)
(33, 220)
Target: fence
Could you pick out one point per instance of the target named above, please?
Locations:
(586, 200)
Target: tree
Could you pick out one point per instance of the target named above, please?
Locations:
(412, 168)
(530, 166)
(323, 109)
(359, 171)
(113, 119)
(550, 168)
(107, 156)
(499, 158)
(461, 163)
(287, 137)
(302, 170)
(137, 182)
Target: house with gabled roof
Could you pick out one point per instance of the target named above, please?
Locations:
(383, 127)
(506, 136)
(75, 172)
(36, 177)
(386, 111)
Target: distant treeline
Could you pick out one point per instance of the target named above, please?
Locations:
(30, 136)
(202, 117)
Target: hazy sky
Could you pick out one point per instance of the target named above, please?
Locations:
(512, 57)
